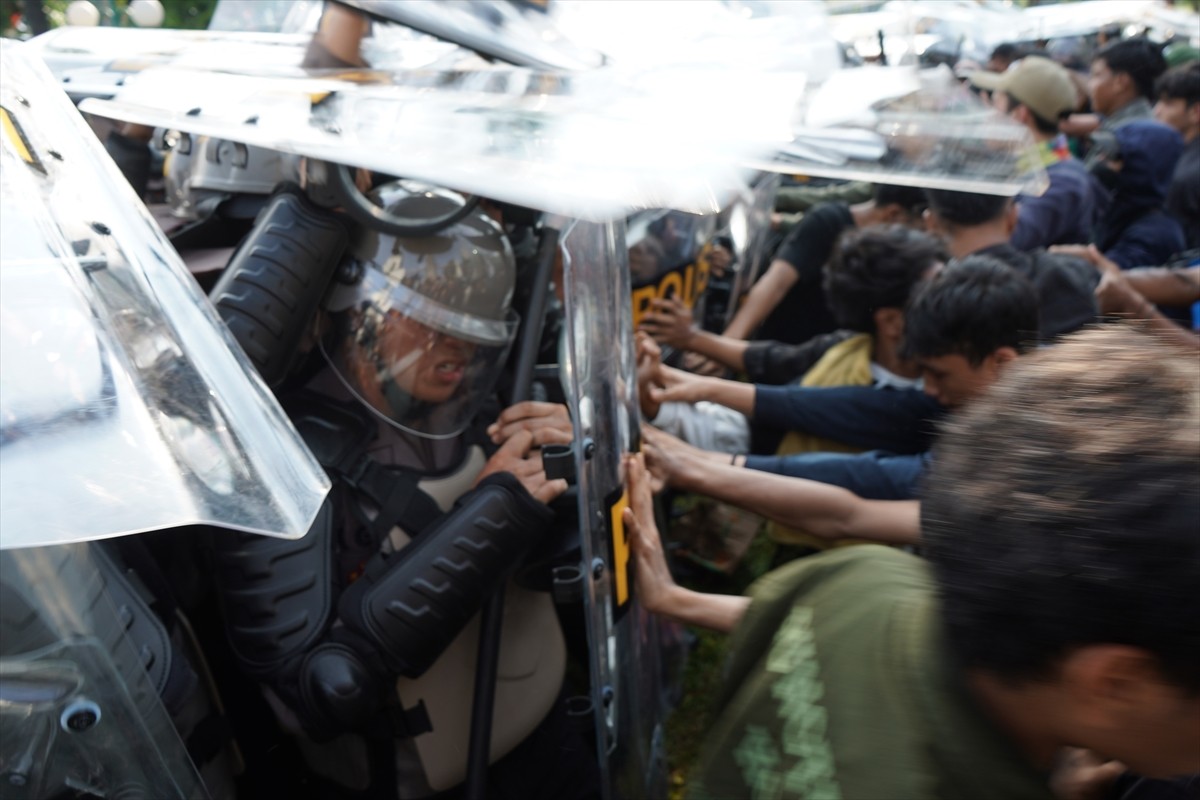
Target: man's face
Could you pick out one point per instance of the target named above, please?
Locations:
(1174, 111)
(953, 380)
(1106, 88)
(426, 364)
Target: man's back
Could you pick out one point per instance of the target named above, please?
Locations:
(840, 686)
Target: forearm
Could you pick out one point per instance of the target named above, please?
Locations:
(755, 308)
(1167, 287)
(718, 612)
(731, 394)
(817, 507)
(725, 350)
(762, 299)
(338, 40)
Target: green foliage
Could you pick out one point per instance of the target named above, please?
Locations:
(192, 14)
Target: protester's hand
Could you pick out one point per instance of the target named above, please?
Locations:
(649, 367)
(1082, 775)
(670, 322)
(719, 258)
(653, 580)
(548, 423)
(1114, 294)
(518, 456)
(668, 457)
(701, 365)
(1089, 253)
(679, 387)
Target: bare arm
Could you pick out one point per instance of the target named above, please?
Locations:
(684, 387)
(671, 322)
(762, 299)
(339, 35)
(1167, 287)
(1080, 124)
(656, 589)
(823, 510)
(1118, 294)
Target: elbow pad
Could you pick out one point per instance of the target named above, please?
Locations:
(412, 603)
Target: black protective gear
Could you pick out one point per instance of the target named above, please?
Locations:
(274, 283)
(339, 691)
(412, 604)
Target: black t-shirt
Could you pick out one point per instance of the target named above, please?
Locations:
(803, 313)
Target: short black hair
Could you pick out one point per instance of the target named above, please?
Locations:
(910, 198)
(1180, 83)
(1006, 51)
(876, 268)
(971, 308)
(966, 208)
(1139, 58)
(1041, 123)
(1061, 509)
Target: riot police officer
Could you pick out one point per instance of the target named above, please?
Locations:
(364, 633)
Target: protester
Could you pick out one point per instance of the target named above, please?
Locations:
(1179, 106)
(983, 224)
(1057, 609)
(787, 300)
(963, 328)
(867, 283)
(1121, 87)
(1037, 93)
(1003, 57)
(1135, 229)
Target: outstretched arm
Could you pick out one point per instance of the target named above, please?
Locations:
(762, 298)
(818, 508)
(684, 387)
(656, 589)
(671, 322)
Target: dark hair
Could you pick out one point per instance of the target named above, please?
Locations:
(1180, 83)
(876, 268)
(1139, 58)
(971, 308)
(1041, 123)
(1007, 51)
(910, 198)
(1061, 509)
(966, 208)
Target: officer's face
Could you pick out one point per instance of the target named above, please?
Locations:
(426, 364)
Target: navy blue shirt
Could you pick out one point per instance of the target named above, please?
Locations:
(875, 475)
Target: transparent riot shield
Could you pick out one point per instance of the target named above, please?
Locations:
(747, 222)
(625, 647)
(668, 257)
(125, 404)
(79, 716)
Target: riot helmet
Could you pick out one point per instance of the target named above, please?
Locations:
(201, 172)
(421, 326)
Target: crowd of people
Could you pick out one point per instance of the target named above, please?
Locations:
(1006, 393)
(986, 407)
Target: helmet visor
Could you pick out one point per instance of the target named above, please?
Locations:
(376, 291)
(421, 367)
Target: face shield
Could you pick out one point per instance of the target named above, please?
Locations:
(422, 326)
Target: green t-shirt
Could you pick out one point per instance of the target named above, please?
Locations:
(840, 688)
